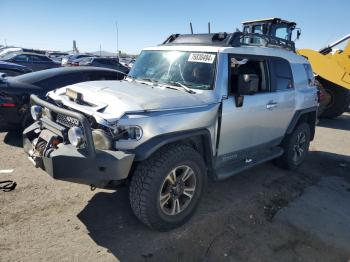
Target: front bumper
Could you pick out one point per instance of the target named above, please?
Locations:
(87, 165)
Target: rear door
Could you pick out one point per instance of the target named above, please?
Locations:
(41, 62)
(282, 84)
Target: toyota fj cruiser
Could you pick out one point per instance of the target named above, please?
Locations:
(198, 106)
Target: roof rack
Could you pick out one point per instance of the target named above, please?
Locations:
(235, 39)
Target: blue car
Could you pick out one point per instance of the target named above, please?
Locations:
(11, 69)
(33, 61)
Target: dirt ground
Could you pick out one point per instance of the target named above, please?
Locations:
(264, 214)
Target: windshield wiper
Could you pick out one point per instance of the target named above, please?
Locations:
(148, 80)
(178, 84)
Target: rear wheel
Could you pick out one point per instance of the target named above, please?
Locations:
(166, 189)
(335, 99)
(296, 147)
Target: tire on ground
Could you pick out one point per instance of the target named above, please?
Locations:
(148, 178)
(339, 99)
(287, 160)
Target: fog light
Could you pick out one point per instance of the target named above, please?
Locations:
(36, 112)
(76, 136)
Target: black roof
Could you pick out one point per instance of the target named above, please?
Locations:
(235, 39)
(274, 20)
(215, 39)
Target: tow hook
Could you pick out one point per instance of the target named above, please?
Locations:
(92, 187)
(36, 161)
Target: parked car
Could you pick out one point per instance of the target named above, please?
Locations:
(6, 50)
(15, 91)
(131, 63)
(198, 106)
(106, 62)
(12, 69)
(33, 61)
(68, 60)
(56, 55)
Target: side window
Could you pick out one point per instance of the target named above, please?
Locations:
(21, 58)
(283, 78)
(282, 32)
(255, 68)
(309, 74)
(38, 58)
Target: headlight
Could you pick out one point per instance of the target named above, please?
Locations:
(131, 132)
(101, 140)
(36, 112)
(76, 136)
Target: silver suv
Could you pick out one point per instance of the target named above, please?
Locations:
(196, 107)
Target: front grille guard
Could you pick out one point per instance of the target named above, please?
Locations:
(90, 147)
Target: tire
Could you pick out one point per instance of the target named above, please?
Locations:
(151, 180)
(27, 120)
(288, 160)
(336, 99)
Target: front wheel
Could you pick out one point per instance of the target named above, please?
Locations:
(166, 189)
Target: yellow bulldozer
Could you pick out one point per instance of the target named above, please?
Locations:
(331, 66)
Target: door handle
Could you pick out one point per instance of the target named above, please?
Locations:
(271, 105)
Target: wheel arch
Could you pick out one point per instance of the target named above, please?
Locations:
(199, 139)
(309, 116)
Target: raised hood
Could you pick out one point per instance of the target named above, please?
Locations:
(111, 99)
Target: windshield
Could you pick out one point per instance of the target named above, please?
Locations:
(191, 69)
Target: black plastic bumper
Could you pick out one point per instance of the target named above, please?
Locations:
(86, 166)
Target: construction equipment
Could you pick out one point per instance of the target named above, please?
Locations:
(331, 67)
(332, 70)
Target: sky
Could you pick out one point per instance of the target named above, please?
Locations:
(54, 24)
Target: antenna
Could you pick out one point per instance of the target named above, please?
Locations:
(191, 28)
(116, 25)
(209, 27)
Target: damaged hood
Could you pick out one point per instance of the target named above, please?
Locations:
(112, 99)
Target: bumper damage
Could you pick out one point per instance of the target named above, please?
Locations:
(65, 162)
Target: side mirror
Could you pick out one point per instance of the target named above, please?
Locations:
(298, 30)
(248, 84)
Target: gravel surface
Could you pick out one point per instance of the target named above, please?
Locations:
(255, 216)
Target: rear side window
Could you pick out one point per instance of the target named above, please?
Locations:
(39, 58)
(309, 74)
(282, 74)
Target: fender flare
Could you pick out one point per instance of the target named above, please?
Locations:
(145, 150)
(297, 115)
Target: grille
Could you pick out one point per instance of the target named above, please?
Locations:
(67, 120)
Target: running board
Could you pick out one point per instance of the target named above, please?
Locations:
(234, 168)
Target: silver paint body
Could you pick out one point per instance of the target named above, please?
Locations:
(158, 110)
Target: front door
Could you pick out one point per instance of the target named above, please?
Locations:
(260, 120)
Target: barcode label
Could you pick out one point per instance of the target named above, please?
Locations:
(201, 58)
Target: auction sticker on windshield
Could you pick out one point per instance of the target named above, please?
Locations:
(201, 58)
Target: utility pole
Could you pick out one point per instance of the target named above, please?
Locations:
(100, 50)
(116, 25)
(5, 42)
